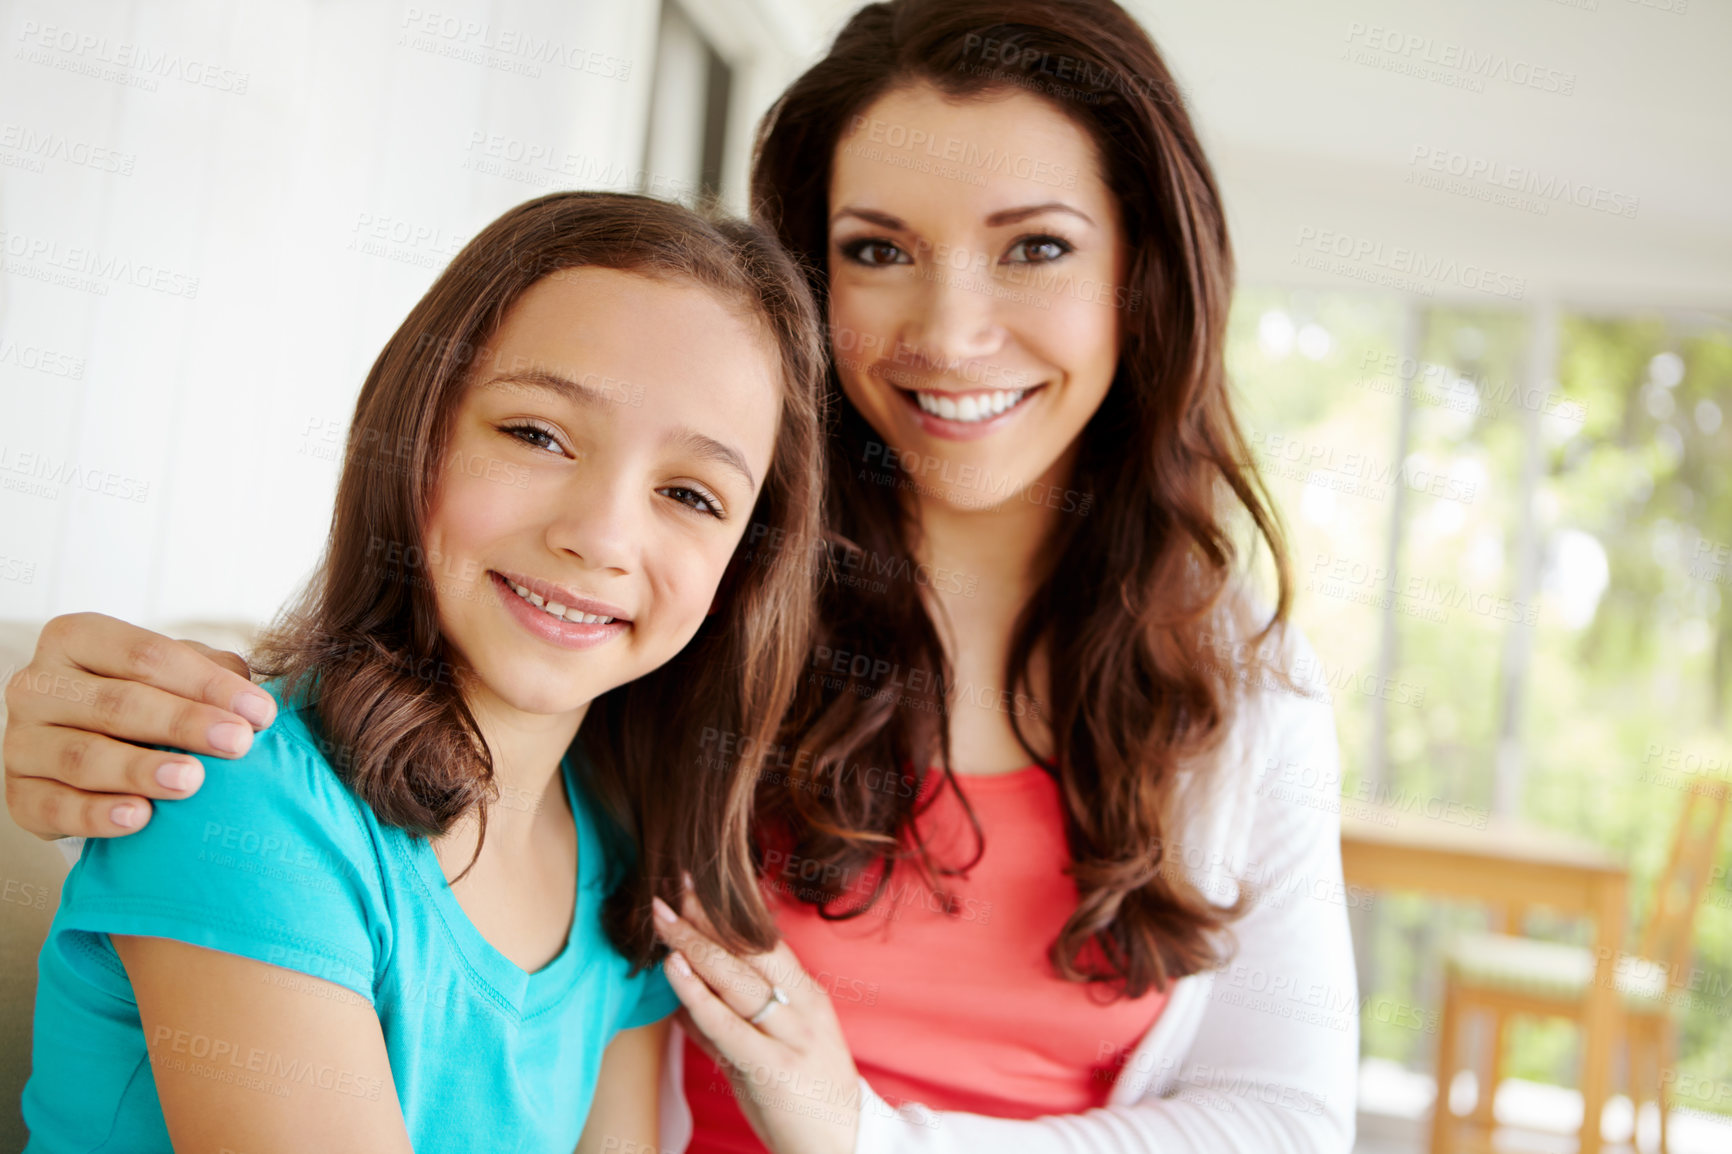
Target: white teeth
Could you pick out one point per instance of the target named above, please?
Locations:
(555, 609)
(972, 407)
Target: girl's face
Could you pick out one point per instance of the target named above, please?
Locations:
(601, 468)
(976, 262)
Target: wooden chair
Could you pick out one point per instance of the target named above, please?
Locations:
(1500, 975)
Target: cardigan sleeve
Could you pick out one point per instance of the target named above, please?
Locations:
(1272, 1065)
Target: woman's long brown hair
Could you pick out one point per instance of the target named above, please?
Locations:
(1134, 590)
(364, 637)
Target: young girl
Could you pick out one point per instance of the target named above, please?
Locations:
(387, 927)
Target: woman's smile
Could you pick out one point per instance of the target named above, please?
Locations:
(967, 415)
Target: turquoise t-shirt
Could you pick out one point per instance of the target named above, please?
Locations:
(276, 859)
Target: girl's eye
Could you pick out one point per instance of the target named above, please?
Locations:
(874, 253)
(534, 435)
(696, 499)
(1037, 250)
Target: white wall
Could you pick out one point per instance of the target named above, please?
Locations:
(182, 335)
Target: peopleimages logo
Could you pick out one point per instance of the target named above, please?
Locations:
(1422, 52)
(1491, 176)
(136, 65)
(1397, 266)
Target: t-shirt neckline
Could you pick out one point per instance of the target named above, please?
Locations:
(526, 990)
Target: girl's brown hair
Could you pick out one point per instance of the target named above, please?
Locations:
(364, 637)
(1140, 578)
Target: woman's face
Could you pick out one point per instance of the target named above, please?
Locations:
(601, 468)
(976, 261)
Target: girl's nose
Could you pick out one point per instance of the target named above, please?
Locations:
(598, 521)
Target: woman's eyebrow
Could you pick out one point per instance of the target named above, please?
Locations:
(685, 437)
(870, 216)
(1013, 215)
(998, 219)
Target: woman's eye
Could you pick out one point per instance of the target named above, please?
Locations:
(1037, 250)
(695, 499)
(874, 253)
(534, 435)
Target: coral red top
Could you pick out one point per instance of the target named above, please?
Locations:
(957, 1010)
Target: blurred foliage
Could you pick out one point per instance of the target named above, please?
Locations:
(1629, 635)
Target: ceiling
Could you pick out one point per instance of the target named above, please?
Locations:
(1324, 145)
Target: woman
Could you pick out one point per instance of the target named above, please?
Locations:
(383, 927)
(1032, 827)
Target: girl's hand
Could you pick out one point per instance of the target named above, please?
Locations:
(95, 696)
(792, 1073)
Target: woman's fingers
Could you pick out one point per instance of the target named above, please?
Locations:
(51, 810)
(227, 660)
(778, 966)
(98, 764)
(126, 710)
(741, 987)
(113, 648)
(734, 1040)
(96, 684)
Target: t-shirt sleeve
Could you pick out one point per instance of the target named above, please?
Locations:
(271, 860)
(655, 999)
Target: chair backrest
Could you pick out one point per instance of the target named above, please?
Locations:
(1671, 923)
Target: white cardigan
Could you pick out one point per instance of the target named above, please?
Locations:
(1257, 1057)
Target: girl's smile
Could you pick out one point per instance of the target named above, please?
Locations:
(557, 615)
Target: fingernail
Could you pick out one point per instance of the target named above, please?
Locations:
(125, 816)
(230, 738)
(663, 912)
(256, 708)
(678, 964)
(686, 880)
(179, 774)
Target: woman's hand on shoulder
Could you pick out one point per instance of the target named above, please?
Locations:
(96, 694)
(792, 1072)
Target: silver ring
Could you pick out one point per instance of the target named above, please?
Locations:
(778, 997)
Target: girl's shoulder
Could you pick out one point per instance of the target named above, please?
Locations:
(273, 858)
(288, 776)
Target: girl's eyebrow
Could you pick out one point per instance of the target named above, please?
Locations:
(579, 393)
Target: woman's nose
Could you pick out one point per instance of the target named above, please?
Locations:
(952, 317)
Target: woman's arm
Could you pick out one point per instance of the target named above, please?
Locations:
(623, 1119)
(247, 1056)
(97, 694)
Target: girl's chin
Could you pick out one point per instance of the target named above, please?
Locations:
(538, 691)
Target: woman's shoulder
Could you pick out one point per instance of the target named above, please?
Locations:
(1268, 666)
(1276, 702)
